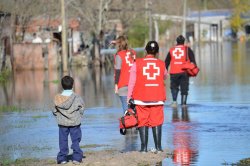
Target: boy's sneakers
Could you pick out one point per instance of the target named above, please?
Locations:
(63, 162)
(174, 104)
(184, 105)
(76, 162)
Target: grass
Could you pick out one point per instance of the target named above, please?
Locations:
(244, 162)
(4, 76)
(24, 162)
(91, 146)
(39, 116)
(10, 108)
(53, 81)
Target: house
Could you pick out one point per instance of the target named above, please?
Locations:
(50, 28)
(30, 53)
(210, 25)
(214, 24)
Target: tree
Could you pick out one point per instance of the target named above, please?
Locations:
(240, 7)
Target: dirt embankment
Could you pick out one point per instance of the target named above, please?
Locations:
(107, 158)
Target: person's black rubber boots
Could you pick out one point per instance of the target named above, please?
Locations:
(174, 96)
(183, 100)
(144, 138)
(157, 137)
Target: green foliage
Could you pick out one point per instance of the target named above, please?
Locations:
(138, 33)
(92, 146)
(163, 25)
(4, 76)
(53, 81)
(239, 7)
(5, 162)
(39, 116)
(10, 108)
(24, 161)
(244, 162)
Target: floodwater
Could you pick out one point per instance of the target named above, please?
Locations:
(213, 130)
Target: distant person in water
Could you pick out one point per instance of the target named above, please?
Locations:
(68, 111)
(179, 78)
(124, 59)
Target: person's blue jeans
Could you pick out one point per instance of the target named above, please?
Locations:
(76, 135)
(124, 102)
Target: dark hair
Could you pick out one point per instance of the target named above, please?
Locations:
(180, 39)
(67, 82)
(152, 47)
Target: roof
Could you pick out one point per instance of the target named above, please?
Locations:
(211, 13)
(36, 23)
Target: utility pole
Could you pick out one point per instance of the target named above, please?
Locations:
(45, 45)
(199, 23)
(184, 18)
(100, 16)
(149, 18)
(199, 28)
(64, 38)
(150, 25)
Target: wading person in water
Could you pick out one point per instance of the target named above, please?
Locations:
(176, 56)
(124, 59)
(147, 88)
(68, 111)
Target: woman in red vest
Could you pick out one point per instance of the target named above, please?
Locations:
(124, 59)
(147, 88)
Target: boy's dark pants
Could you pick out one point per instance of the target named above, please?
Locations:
(76, 135)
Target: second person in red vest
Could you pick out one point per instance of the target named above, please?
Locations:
(147, 88)
(124, 59)
(176, 56)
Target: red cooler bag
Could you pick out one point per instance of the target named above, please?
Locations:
(127, 121)
(191, 69)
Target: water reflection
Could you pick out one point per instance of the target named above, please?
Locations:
(224, 67)
(217, 117)
(35, 90)
(184, 139)
(131, 141)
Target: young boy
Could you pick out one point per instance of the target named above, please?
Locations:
(68, 111)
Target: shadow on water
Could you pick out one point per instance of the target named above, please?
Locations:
(214, 129)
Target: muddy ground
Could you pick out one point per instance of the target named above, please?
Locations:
(104, 158)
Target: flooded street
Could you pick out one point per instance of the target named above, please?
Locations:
(214, 130)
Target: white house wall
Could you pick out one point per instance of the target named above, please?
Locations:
(206, 27)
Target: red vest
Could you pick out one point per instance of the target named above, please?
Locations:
(178, 57)
(127, 57)
(149, 84)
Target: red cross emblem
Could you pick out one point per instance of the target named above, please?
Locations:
(178, 53)
(151, 71)
(128, 61)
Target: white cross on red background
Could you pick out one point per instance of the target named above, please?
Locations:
(127, 59)
(151, 71)
(178, 53)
